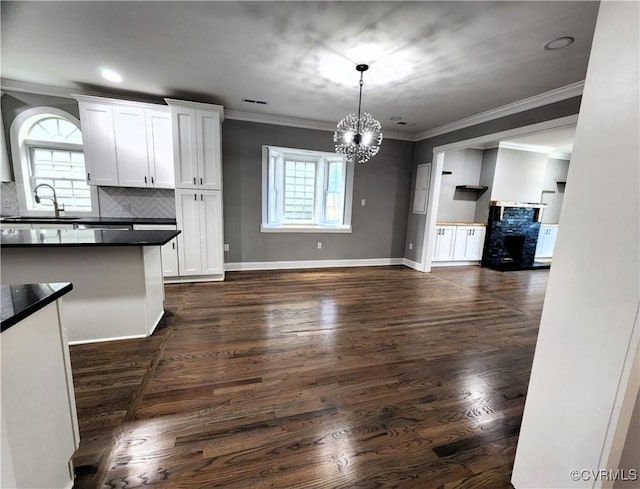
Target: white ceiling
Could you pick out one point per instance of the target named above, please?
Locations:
(431, 62)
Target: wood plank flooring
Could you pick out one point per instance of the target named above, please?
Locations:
(344, 378)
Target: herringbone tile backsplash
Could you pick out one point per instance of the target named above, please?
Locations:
(113, 201)
(136, 202)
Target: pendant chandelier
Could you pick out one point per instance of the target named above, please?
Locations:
(358, 136)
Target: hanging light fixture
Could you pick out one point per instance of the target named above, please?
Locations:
(359, 135)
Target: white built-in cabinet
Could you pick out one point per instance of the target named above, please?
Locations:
(98, 142)
(546, 240)
(126, 144)
(169, 251)
(443, 250)
(197, 145)
(469, 242)
(197, 155)
(459, 243)
(200, 247)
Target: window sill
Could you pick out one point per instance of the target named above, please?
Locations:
(304, 229)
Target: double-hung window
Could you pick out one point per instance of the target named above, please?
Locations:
(306, 191)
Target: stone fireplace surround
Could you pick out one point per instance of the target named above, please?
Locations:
(512, 236)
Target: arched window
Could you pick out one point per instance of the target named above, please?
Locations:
(49, 143)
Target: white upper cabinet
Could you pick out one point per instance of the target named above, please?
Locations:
(98, 143)
(126, 144)
(160, 149)
(131, 146)
(197, 151)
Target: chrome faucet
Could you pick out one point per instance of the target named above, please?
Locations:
(53, 199)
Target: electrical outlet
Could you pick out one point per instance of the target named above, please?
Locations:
(362, 202)
(410, 246)
(126, 207)
(319, 245)
(226, 247)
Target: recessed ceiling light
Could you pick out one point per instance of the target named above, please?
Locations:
(111, 75)
(559, 43)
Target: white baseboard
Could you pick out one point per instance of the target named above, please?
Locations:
(115, 338)
(194, 278)
(435, 264)
(412, 264)
(285, 265)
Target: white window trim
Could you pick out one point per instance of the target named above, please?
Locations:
(20, 158)
(305, 228)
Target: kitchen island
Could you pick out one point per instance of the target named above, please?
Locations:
(39, 422)
(117, 276)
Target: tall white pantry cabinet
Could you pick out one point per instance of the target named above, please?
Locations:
(197, 156)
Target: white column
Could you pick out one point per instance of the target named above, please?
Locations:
(584, 378)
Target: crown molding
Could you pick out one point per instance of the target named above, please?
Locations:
(545, 98)
(25, 87)
(550, 97)
(240, 115)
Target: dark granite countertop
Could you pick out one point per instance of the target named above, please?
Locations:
(34, 238)
(21, 301)
(87, 220)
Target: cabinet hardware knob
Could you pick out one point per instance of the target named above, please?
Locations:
(88, 177)
(194, 180)
(173, 245)
(201, 181)
(195, 197)
(145, 180)
(202, 197)
(152, 180)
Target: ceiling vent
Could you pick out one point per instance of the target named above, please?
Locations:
(252, 101)
(403, 123)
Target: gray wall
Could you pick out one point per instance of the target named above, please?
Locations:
(459, 205)
(379, 227)
(630, 459)
(13, 103)
(423, 152)
(557, 171)
(489, 160)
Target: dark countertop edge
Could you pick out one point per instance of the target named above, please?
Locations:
(36, 306)
(90, 220)
(172, 234)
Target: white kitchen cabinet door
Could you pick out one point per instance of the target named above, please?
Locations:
(160, 149)
(98, 143)
(546, 241)
(445, 236)
(200, 245)
(211, 228)
(183, 125)
(130, 130)
(209, 151)
(468, 243)
(168, 251)
(189, 240)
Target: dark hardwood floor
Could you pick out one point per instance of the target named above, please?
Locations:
(344, 378)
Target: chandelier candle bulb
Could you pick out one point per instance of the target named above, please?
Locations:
(358, 136)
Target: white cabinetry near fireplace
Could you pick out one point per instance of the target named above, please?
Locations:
(546, 241)
(458, 244)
